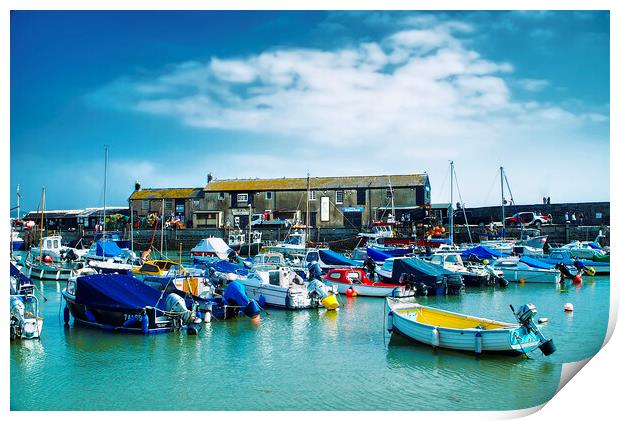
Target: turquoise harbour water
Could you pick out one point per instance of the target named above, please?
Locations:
(305, 360)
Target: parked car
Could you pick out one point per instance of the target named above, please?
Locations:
(527, 219)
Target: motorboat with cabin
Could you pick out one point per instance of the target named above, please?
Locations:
(527, 269)
(354, 281)
(472, 276)
(282, 287)
(295, 242)
(428, 278)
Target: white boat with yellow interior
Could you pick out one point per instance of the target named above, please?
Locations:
(445, 329)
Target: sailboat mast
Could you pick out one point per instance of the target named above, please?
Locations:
(451, 216)
(501, 176)
(307, 204)
(18, 201)
(105, 186)
(249, 233)
(41, 231)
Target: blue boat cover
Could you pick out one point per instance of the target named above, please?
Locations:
(595, 246)
(107, 248)
(235, 291)
(23, 279)
(116, 293)
(376, 255)
(330, 257)
(481, 252)
(423, 271)
(535, 263)
(226, 267)
(386, 253)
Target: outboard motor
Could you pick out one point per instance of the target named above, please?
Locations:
(565, 271)
(454, 284)
(525, 315)
(327, 297)
(420, 289)
(176, 304)
(497, 276)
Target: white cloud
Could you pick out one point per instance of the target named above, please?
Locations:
(533, 85)
(404, 103)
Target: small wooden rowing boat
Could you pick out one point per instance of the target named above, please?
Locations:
(445, 329)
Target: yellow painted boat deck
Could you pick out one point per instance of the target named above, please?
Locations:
(438, 318)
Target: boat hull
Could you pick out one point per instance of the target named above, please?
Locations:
(368, 290)
(276, 296)
(130, 322)
(47, 273)
(510, 339)
(532, 276)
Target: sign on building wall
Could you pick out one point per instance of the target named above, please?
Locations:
(324, 209)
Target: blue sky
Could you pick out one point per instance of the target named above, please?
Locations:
(177, 95)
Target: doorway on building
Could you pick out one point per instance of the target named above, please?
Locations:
(353, 219)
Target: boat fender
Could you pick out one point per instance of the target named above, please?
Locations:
(351, 292)
(199, 314)
(330, 302)
(262, 301)
(577, 279)
(389, 321)
(145, 323)
(66, 315)
(568, 307)
(478, 343)
(435, 337)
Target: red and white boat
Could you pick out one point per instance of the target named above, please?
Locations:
(355, 280)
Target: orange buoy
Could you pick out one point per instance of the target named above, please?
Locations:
(48, 259)
(577, 279)
(351, 292)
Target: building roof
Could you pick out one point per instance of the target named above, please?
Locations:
(73, 213)
(352, 182)
(166, 193)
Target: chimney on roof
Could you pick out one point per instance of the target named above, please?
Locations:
(209, 178)
(137, 185)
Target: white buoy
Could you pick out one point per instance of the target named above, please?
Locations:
(568, 307)
(543, 320)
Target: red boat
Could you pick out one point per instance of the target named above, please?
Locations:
(353, 281)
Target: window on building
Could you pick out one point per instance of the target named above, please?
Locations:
(312, 195)
(388, 193)
(268, 195)
(242, 197)
(361, 196)
(339, 197)
(168, 205)
(145, 205)
(220, 196)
